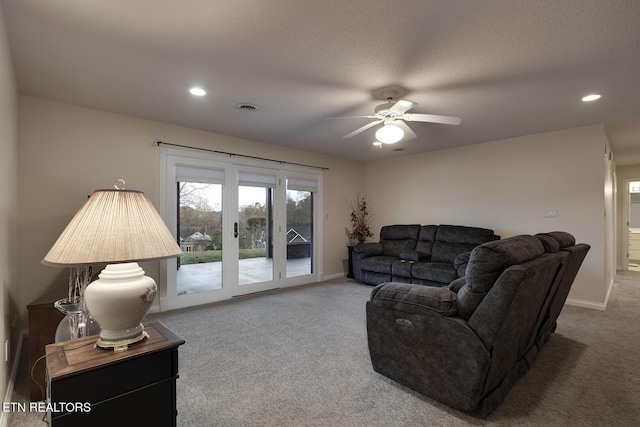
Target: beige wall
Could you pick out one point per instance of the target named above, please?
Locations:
(9, 302)
(506, 186)
(67, 151)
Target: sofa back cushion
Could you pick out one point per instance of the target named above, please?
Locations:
(426, 239)
(487, 262)
(453, 240)
(506, 320)
(560, 241)
(398, 238)
(563, 238)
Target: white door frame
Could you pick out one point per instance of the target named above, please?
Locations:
(168, 287)
(626, 207)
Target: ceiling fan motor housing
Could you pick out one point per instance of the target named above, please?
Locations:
(384, 109)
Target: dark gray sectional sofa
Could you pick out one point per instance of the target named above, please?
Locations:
(467, 343)
(425, 254)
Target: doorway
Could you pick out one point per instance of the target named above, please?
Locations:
(633, 226)
(243, 226)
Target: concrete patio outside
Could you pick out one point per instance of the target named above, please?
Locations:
(202, 277)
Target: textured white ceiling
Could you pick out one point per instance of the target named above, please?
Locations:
(507, 68)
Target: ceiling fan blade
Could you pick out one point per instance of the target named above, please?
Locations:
(431, 118)
(402, 106)
(363, 128)
(408, 133)
(353, 117)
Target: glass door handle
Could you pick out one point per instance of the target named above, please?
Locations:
(235, 230)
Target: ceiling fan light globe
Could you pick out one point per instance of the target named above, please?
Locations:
(389, 134)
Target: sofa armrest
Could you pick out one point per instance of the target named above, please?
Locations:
(415, 299)
(460, 263)
(436, 355)
(457, 284)
(414, 256)
(368, 249)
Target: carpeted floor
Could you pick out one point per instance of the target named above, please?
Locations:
(299, 357)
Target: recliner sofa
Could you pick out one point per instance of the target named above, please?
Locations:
(428, 254)
(466, 344)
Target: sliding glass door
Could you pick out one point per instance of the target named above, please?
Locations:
(256, 210)
(199, 227)
(196, 207)
(299, 236)
(242, 229)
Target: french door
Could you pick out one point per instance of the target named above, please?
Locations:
(243, 228)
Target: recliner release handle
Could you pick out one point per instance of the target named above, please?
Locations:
(403, 322)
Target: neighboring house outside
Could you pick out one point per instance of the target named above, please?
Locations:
(196, 241)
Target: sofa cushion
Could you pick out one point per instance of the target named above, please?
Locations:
(550, 244)
(563, 238)
(426, 239)
(400, 232)
(398, 238)
(401, 269)
(434, 271)
(489, 260)
(395, 247)
(368, 249)
(374, 278)
(453, 240)
(486, 264)
(460, 263)
(414, 256)
(464, 235)
(448, 252)
(414, 299)
(379, 264)
(457, 284)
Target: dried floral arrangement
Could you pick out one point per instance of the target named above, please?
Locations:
(360, 220)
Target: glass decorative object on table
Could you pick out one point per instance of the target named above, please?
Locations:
(77, 322)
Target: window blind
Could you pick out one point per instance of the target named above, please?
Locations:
(199, 174)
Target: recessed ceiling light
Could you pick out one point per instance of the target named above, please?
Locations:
(197, 91)
(377, 144)
(591, 97)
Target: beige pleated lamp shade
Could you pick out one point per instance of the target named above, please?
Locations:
(113, 226)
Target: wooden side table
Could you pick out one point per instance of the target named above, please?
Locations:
(350, 272)
(94, 386)
(43, 321)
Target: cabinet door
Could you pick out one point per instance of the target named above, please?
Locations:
(149, 406)
(138, 391)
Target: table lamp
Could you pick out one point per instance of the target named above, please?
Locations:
(116, 227)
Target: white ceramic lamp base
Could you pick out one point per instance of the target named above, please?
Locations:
(118, 301)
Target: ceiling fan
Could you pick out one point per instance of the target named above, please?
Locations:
(393, 114)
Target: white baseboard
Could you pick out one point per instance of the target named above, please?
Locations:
(606, 298)
(4, 416)
(587, 304)
(333, 276)
(590, 304)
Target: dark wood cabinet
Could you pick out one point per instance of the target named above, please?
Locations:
(95, 386)
(350, 266)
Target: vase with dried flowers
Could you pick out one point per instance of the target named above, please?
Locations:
(360, 220)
